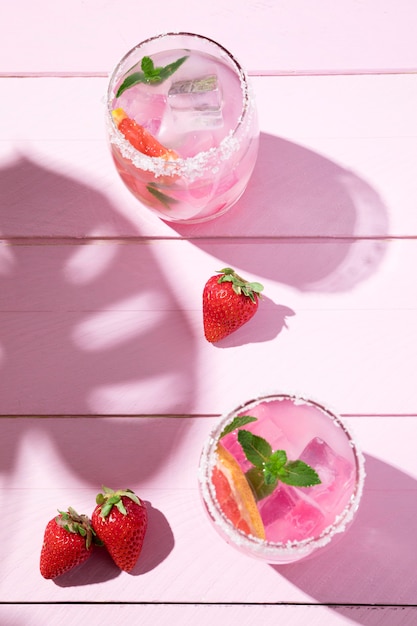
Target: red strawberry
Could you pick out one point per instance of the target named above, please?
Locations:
(229, 301)
(67, 542)
(120, 520)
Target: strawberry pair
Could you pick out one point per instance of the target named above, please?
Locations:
(119, 522)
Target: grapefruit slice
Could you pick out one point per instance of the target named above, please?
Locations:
(139, 137)
(234, 495)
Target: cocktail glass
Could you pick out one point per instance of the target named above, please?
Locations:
(289, 523)
(194, 99)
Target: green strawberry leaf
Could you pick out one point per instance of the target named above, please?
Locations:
(237, 422)
(239, 284)
(257, 450)
(121, 507)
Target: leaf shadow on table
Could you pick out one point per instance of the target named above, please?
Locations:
(77, 338)
(374, 563)
(295, 192)
(78, 334)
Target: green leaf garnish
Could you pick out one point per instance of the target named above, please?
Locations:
(257, 450)
(269, 467)
(150, 74)
(162, 197)
(274, 466)
(237, 422)
(298, 474)
(256, 480)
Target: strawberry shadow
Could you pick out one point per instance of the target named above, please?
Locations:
(159, 542)
(268, 322)
(99, 568)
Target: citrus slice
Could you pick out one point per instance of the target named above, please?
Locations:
(139, 137)
(234, 495)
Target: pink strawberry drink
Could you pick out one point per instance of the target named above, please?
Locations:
(193, 97)
(297, 520)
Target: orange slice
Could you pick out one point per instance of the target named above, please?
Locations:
(139, 137)
(234, 495)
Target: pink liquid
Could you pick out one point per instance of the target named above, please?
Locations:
(202, 109)
(308, 433)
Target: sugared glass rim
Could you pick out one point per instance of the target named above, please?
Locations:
(190, 166)
(277, 552)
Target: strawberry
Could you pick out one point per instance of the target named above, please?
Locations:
(120, 520)
(67, 542)
(229, 301)
(139, 137)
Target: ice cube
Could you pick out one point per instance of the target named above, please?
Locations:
(146, 107)
(336, 474)
(196, 104)
(306, 520)
(289, 516)
(277, 505)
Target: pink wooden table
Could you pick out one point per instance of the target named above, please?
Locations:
(105, 376)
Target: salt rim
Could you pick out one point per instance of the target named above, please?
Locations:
(190, 167)
(277, 552)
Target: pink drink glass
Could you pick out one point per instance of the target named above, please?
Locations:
(205, 112)
(298, 521)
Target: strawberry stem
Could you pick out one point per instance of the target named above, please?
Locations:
(72, 522)
(240, 285)
(111, 498)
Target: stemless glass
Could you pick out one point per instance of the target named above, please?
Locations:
(203, 114)
(296, 521)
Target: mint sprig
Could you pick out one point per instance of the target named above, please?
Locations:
(269, 466)
(150, 74)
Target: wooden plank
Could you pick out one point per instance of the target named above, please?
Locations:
(52, 463)
(377, 35)
(346, 168)
(106, 327)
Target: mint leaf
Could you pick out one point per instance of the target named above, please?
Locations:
(268, 467)
(169, 69)
(256, 480)
(162, 197)
(148, 67)
(274, 465)
(237, 422)
(130, 81)
(271, 467)
(298, 474)
(257, 450)
(150, 74)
